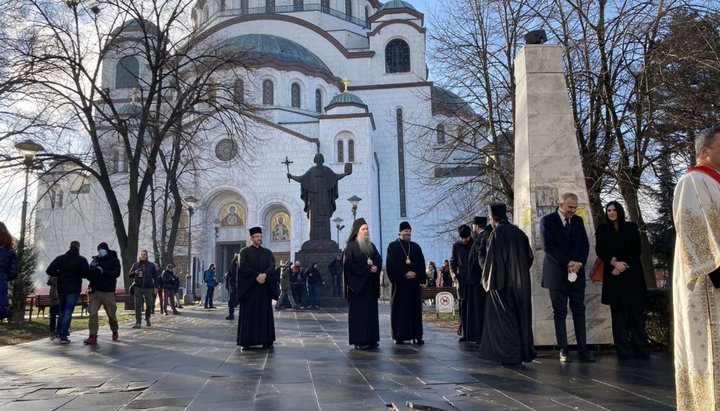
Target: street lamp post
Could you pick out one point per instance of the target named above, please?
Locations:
(29, 150)
(190, 201)
(339, 228)
(354, 200)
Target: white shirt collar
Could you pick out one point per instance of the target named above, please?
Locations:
(562, 216)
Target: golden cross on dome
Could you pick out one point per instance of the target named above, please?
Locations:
(345, 81)
(133, 95)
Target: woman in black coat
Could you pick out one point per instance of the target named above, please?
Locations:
(618, 245)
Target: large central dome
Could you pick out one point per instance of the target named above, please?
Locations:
(286, 53)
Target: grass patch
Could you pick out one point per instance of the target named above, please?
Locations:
(12, 333)
(444, 320)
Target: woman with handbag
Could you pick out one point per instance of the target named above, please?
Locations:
(618, 246)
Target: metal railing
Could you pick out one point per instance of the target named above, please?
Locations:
(292, 8)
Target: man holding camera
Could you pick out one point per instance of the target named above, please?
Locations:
(145, 275)
(103, 275)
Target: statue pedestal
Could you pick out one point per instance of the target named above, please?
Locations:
(322, 252)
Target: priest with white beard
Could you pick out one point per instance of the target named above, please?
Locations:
(361, 269)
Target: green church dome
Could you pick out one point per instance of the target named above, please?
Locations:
(397, 4)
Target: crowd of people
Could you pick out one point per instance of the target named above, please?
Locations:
(490, 264)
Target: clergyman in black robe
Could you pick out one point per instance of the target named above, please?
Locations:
(406, 271)
(459, 268)
(361, 270)
(257, 286)
(507, 333)
(474, 292)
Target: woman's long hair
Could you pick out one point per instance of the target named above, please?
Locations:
(6, 239)
(620, 214)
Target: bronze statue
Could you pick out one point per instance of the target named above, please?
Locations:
(319, 190)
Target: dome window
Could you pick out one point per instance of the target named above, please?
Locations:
(127, 73)
(397, 57)
(268, 91)
(295, 95)
(318, 101)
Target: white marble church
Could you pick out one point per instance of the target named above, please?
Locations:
(309, 48)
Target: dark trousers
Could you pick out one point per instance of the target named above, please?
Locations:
(559, 298)
(337, 286)
(312, 294)
(209, 297)
(297, 292)
(232, 302)
(143, 295)
(161, 297)
(629, 320)
(54, 312)
(67, 306)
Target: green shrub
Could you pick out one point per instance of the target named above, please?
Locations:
(658, 317)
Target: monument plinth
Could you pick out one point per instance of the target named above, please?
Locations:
(547, 164)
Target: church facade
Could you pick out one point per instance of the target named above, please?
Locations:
(345, 78)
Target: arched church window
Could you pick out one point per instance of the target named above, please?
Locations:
(298, 5)
(244, 6)
(295, 95)
(325, 6)
(223, 5)
(397, 57)
(127, 73)
(318, 101)
(268, 93)
(441, 133)
(239, 92)
(340, 149)
(269, 6)
(348, 9)
(351, 151)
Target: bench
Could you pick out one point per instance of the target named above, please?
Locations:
(429, 293)
(42, 302)
(125, 298)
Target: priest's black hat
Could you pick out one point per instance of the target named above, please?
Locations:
(255, 230)
(480, 221)
(464, 231)
(497, 210)
(355, 228)
(405, 226)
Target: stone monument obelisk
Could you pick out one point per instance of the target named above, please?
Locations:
(547, 164)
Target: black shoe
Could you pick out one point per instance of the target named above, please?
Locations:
(229, 317)
(587, 357)
(268, 346)
(245, 347)
(419, 341)
(399, 342)
(462, 339)
(362, 347)
(565, 355)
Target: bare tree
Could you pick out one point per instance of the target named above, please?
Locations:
(473, 45)
(183, 81)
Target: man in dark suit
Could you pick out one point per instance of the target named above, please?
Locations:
(566, 249)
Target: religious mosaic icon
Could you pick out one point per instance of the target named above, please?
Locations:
(280, 226)
(226, 149)
(232, 215)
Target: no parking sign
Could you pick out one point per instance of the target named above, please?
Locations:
(445, 302)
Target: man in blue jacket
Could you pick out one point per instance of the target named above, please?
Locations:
(210, 282)
(566, 249)
(103, 275)
(70, 269)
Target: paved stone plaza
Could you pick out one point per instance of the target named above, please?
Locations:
(192, 362)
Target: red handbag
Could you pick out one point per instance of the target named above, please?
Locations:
(596, 274)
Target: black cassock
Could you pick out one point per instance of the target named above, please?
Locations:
(406, 300)
(256, 325)
(474, 291)
(507, 332)
(459, 266)
(362, 290)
